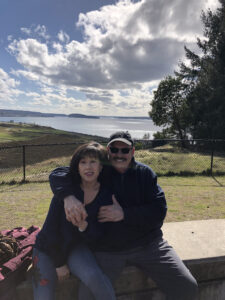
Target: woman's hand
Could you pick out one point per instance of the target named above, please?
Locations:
(74, 210)
(82, 226)
(63, 272)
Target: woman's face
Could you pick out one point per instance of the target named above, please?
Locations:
(89, 168)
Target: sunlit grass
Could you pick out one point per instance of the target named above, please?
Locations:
(188, 198)
(164, 163)
(10, 132)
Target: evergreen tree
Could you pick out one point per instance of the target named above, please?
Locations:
(205, 78)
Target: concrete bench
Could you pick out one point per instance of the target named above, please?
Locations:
(200, 244)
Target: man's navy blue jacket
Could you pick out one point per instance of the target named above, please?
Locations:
(141, 198)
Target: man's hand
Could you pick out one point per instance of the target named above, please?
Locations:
(63, 272)
(111, 213)
(74, 210)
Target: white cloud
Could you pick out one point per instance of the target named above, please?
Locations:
(9, 38)
(25, 30)
(58, 47)
(6, 81)
(128, 45)
(125, 44)
(26, 74)
(38, 99)
(42, 31)
(8, 88)
(36, 30)
(35, 57)
(63, 37)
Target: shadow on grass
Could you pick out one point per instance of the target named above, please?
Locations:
(219, 183)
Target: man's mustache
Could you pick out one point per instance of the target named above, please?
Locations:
(119, 158)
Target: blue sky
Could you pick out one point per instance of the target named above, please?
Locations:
(97, 57)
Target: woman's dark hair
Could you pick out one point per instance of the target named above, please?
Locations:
(91, 149)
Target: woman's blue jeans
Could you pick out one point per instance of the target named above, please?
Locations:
(82, 264)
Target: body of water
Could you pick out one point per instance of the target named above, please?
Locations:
(104, 126)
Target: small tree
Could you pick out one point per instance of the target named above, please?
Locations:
(168, 107)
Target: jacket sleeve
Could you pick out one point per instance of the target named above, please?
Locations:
(49, 239)
(151, 210)
(61, 182)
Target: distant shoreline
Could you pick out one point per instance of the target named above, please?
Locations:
(102, 126)
(23, 113)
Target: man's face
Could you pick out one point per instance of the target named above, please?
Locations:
(120, 161)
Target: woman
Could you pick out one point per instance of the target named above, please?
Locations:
(62, 248)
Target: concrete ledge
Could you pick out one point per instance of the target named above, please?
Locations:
(200, 244)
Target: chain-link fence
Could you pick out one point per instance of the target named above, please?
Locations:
(166, 157)
(183, 158)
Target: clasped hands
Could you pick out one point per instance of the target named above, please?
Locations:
(76, 212)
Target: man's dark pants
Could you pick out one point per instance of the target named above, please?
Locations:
(159, 261)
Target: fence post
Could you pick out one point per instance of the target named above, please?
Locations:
(24, 163)
(212, 154)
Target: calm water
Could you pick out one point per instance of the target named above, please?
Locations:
(101, 127)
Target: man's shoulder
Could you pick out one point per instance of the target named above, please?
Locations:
(140, 167)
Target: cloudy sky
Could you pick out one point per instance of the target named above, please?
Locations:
(96, 57)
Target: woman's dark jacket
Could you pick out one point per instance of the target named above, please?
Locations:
(58, 236)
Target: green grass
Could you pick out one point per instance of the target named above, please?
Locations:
(188, 198)
(41, 160)
(194, 198)
(180, 163)
(24, 205)
(15, 132)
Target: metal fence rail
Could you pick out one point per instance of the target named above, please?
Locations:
(166, 157)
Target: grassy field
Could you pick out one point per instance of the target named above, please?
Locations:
(40, 155)
(41, 160)
(188, 198)
(15, 133)
(171, 160)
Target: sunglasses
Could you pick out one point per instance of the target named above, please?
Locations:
(115, 150)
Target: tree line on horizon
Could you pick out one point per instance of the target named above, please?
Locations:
(192, 102)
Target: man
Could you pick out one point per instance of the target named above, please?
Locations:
(137, 214)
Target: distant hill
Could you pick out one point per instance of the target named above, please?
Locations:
(145, 118)
(82, 116)
(25, 113)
